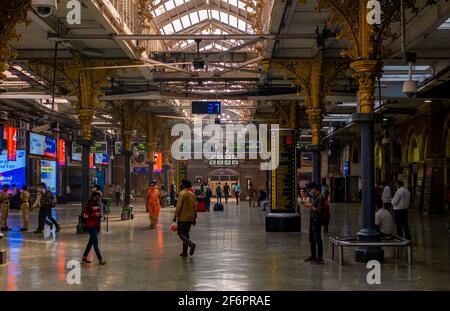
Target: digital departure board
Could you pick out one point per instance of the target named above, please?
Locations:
(206, 107)
(283, 177)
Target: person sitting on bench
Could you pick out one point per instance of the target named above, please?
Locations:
(384, 221)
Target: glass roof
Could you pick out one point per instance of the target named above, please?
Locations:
(191, 17)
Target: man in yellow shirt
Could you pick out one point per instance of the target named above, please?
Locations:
(185, 216)
(4, 207)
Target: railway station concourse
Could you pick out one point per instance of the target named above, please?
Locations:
(322, 127)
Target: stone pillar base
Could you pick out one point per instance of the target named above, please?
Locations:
(283, 222)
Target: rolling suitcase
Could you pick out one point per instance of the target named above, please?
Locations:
(218, 207)
(201, 206)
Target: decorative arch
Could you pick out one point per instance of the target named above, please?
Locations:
(414, 148)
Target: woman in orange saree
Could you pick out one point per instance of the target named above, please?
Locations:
(153, 204)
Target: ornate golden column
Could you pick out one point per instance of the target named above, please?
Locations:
(366, 51)
(11, 14)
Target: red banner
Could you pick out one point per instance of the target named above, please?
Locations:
(157, 166)
(61, 152)
(12, 143)
(91, 160)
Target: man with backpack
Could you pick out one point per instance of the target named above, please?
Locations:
(317, 209)
(45, 202)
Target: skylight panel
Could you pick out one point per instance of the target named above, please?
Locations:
(169, 5)
(241, 5)
(445, 25)
(160, 10)
(194, 18)
(168, 29)
(177, 25)
(233, 21)
(233, 2)
(224, 17)
(215, 15)
(179, 2)
(186, 22)
(241, 25)
(203, 15)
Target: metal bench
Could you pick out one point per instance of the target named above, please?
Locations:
(392, 241)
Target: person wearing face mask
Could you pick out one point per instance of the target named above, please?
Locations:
(317, 207)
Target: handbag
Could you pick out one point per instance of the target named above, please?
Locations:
(173, 227)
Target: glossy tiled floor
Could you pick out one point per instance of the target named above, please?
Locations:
(234, 253)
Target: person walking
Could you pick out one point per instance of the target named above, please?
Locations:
(316, 213)
(173, 194)
(400, 202)
(386, 196)
(226, 192)
(5, 198)
(153, 204)
(117, 193)
(25, 207)
(208, 196)
(92, 216)
(237, 192)
(185, 217)
(251, 195)
(45, 202)
(219, 193)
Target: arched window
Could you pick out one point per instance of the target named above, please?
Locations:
(413, 150)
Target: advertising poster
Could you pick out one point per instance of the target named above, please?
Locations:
(37, 144)
(157, 167)
(50, 147)
(48, 174)
(13, 172)
(12, 143)
(101, 159)
(61, 152)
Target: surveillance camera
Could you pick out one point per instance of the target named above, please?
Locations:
(44, 8)
(410, 88)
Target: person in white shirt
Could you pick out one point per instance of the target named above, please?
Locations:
(387, 195)
(401, 202)
(383, 218)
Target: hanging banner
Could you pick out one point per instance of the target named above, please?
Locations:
(61, 152)
(12, 143)
(91, 160)
(157, 166)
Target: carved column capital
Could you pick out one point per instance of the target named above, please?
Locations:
(86, 116)
(127, 135)
(315, 116)
(366, 72)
